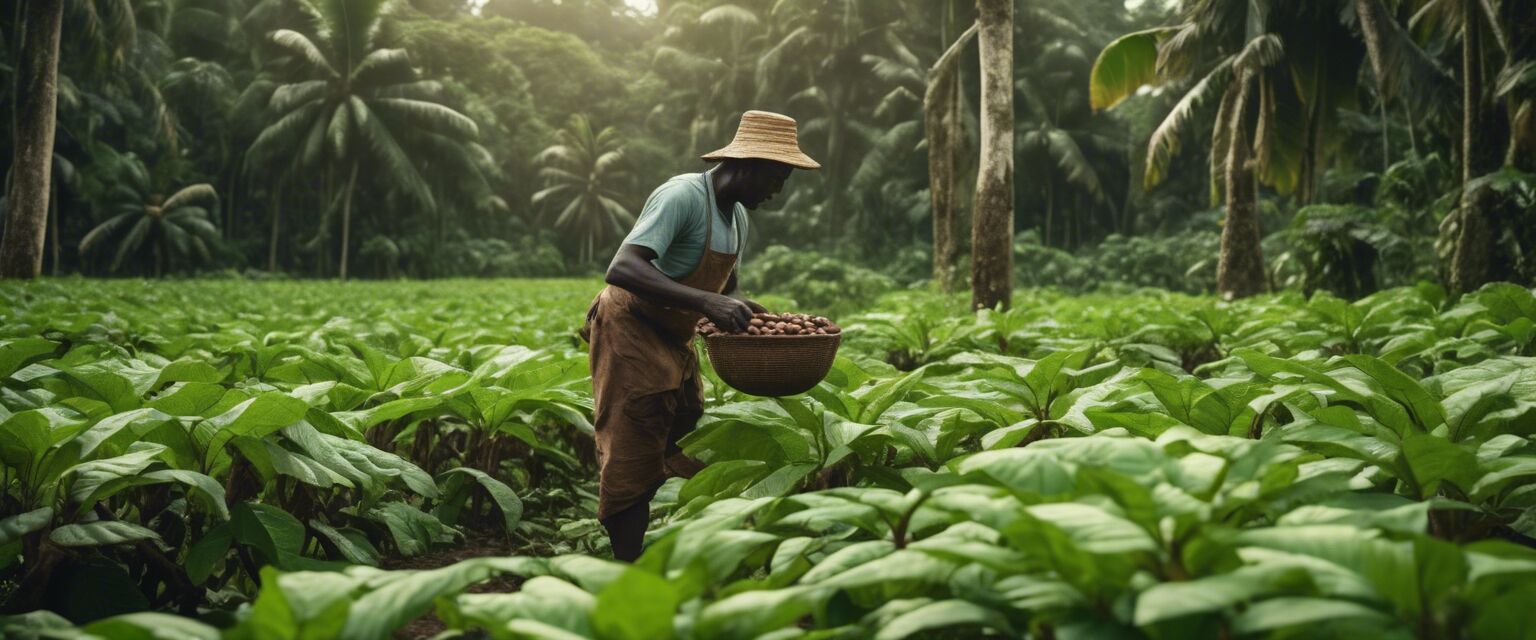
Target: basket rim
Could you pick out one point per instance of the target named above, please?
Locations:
(736, 336)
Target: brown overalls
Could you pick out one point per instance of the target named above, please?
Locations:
(645, 381)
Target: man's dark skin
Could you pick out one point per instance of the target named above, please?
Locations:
(750, 182)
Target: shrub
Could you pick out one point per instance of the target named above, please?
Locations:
(814, 281)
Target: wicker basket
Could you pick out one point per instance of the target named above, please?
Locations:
(772, 365)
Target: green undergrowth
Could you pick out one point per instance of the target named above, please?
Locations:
(236, 459)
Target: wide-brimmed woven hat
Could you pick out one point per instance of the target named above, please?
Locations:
(766, 135)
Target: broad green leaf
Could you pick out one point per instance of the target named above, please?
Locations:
(273, 532)
(14, 528)
(1093, 529)
(25, 435)
(119, 383)
(1026, 471)
(1216, 594)
(554, 604)
(87, 478)
(19, 352)
(119, 430)
(255, 418)
(1292, 611)
(879, 397)
(207, 554)
(1434, 459)
(352, 544)
(945, 614)
(413, 531)
(99, 533)
(149, 625)
(1124, 66)
(506, 500)
(1425, 411)
(637, 606)
(409, 594)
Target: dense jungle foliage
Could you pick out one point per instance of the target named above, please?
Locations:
(519, 137)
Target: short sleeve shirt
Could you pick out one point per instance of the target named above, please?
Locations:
(672, 224)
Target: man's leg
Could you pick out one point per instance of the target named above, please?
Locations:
(626, 530)
(632, 470)
(690, 407)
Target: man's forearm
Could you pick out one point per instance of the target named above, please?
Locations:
(643, 279)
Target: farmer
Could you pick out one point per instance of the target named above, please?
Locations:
(676, 265)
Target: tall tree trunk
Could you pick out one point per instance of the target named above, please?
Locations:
(346, 219)
(1240, 268)
(941, 127)
(53, 221)
(1473, 232)
(277, 217)
(992, 227)
(36, 96)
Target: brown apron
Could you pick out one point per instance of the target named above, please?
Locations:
(645, 380)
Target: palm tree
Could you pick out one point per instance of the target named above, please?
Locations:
(709, 51)
(175, 227)
(1274, 105)
(107, 29)
(584, 176)
(817, 60)
(925, 94)
(347, 103)
(1470, 236)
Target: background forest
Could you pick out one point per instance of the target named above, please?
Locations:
(436, 138)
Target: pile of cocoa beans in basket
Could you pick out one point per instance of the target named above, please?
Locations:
(776, 324)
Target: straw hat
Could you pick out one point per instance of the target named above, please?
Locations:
(765, 135)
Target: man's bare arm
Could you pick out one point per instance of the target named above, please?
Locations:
(632, 270)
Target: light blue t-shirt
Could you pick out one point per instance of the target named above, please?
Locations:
(672, 224)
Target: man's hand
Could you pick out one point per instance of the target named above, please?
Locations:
(756, 308)
(728, 313)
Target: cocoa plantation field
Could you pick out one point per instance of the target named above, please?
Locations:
(206, 459)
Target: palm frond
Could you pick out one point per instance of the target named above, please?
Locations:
(284, 136)
(288, 97)
(1074, 166)
(1165, 141)
(545, 194)
(427, 115)
(894, 100)
(132, 241)
(300, 45)
(106, 229)
(1262, 52)
(417, 90)
(338, 131)
(383, 67)
(388, 154)
(558, 174)
(190, 194)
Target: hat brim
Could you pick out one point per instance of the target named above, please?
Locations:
(796, 158)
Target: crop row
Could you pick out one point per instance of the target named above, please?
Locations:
(1141, 465)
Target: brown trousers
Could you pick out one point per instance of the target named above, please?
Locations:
(646, 393)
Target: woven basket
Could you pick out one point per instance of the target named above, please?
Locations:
(772, 365)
